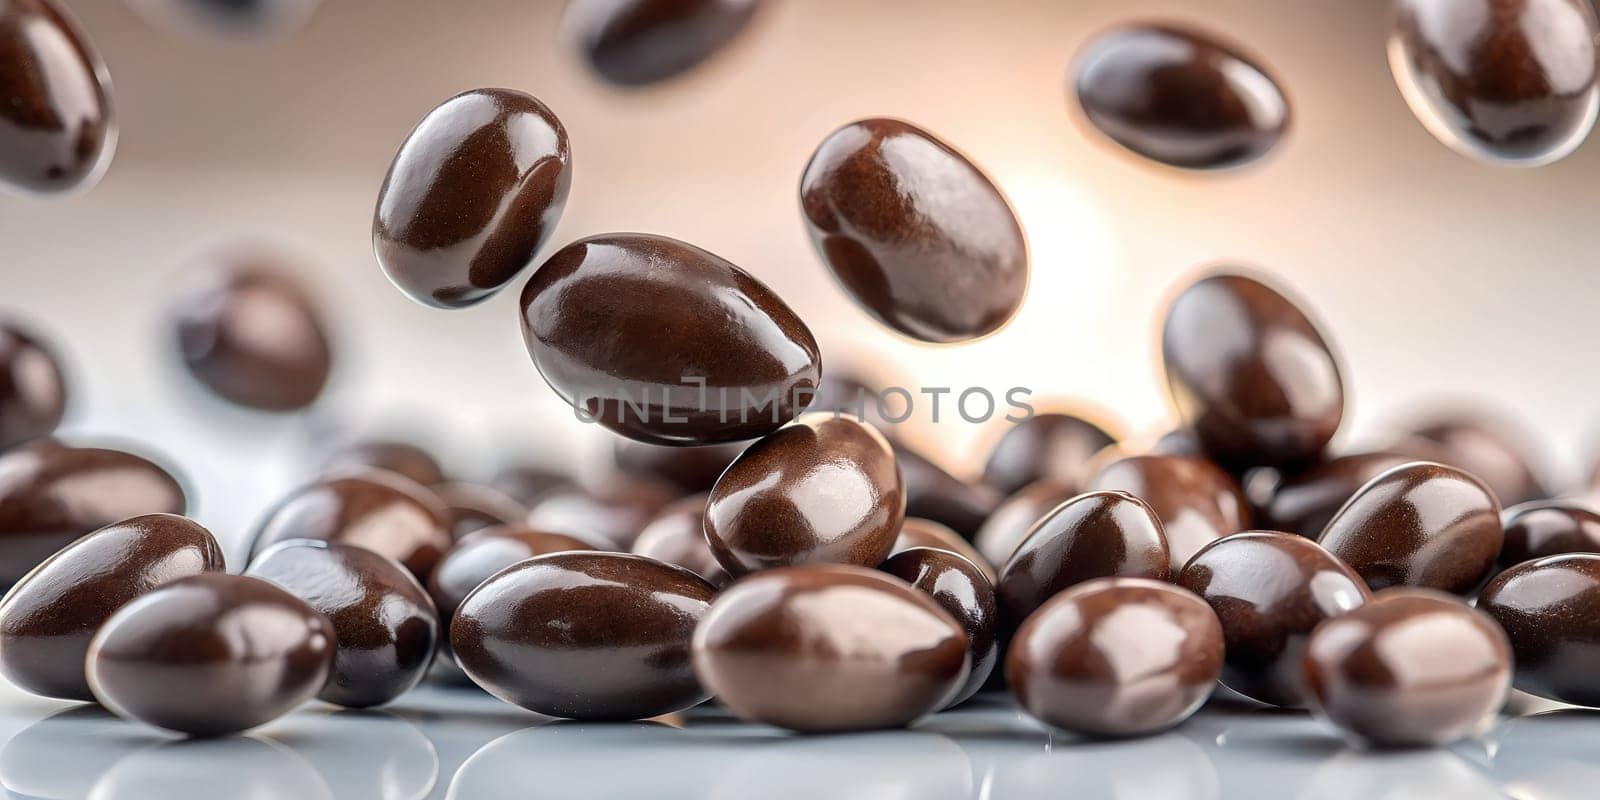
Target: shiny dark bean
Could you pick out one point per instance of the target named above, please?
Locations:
(1419, 524)
(678, 536)
(803, 648)
(595, 636)
(1410, 668)
(1116, 657)
(737, 364)
(962, 588)
(1504, 81)
(48, 618)
(33, 394)
(823, 490)
(381, 511)
(1550, 610)
(1196, 501)
(251, 334)
(691, 469)
(1181, 97)
(640, 42)
(57, 130)
(1548, 528)
(385, 626)
(1047, 445)
(51, 494)
(915, 532)
(480, 554)
(210, 654)
(472, 194)
(473, 507)
(934, 494)
(1011, 521)
(916, 234)
(1250, 374)
(1269, 590)
(609, 515)
(1094, 535)
(1303, 503)
(1494, 450)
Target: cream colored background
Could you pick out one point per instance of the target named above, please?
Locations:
(1434, 274)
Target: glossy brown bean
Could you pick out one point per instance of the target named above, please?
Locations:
(379, 510)
(1410, 668)
(1270, 590)
(1116, 657)
(961, 588)
(1179, 96)
(823, 490)
(472, 194)
(641, 42)
(1011, 521)
(916, 233)
(1504, 81)
(404, 458)
(385, 626)
(1250, 373)
(677, 535)
(1047, 445)
(51, 494)
(609, 514)
(1493, 449)
(1303, 503)
(1548, 528)
(738, 362)
(1550, 611)
(472, 507)
(803, 648)
(48, 618)
(915, 532)
(1093, 535)
(933, 493)
(210, 654)
(1419, 524)
(1196, 501)
(691, 469)
(57, 129)
(594, 636)
(33, 393)
(480, 554)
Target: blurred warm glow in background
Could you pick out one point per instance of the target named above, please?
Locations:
(1435, 276)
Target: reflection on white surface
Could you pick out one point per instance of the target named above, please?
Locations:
(1549, 756)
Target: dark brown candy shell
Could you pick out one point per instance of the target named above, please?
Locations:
(51, 494)
(691, 469)
(57, 129)
(641, 42)
(803, 648)
(48, 618)
(473, 507)
(385, 627)
(1304, 502)
(210, 655)
(1494, 450)
(1011, 521)
(666, 343)
(609, 515)
(823, 490)
(915, 232)
(593, 636)
(678, 536)
(961, 587)
(472, 194)
(379, 510)
(933, 493)
(1196, 500)
(480, 554)
(916, 532)
(33, 394)
(1548, 528)
(1047, 445)
(1550, 611)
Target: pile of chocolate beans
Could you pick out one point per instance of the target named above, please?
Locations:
(761, 541)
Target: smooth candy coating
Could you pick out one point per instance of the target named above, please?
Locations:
(609, 515)
(1011, 521)
(592, 636)
(639, 42)
(691, 469)
(1410, 668)
(1116, 657)
(1269, 590)
(917, 235)
(916, 532)
(251, 334)
(1048, 445)
(57, 130)
(210, 655)
(399, 457)
(385, 627)
(472, 194)
(804, 648)
(962, 588)
(381, 511)
(1303, 503)
(1093, 535)
(480, 554)
(678, 536)
(1505, 81)
(823, 490)
(1495, 450)
(474, 507)
(1548, 528)
(1419, 524)
(1550, 611)
(666, 343)
(1195, 500)
(51, 494)
(933, 493)
(33, 395)
(1181, 97)
(48, 618)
